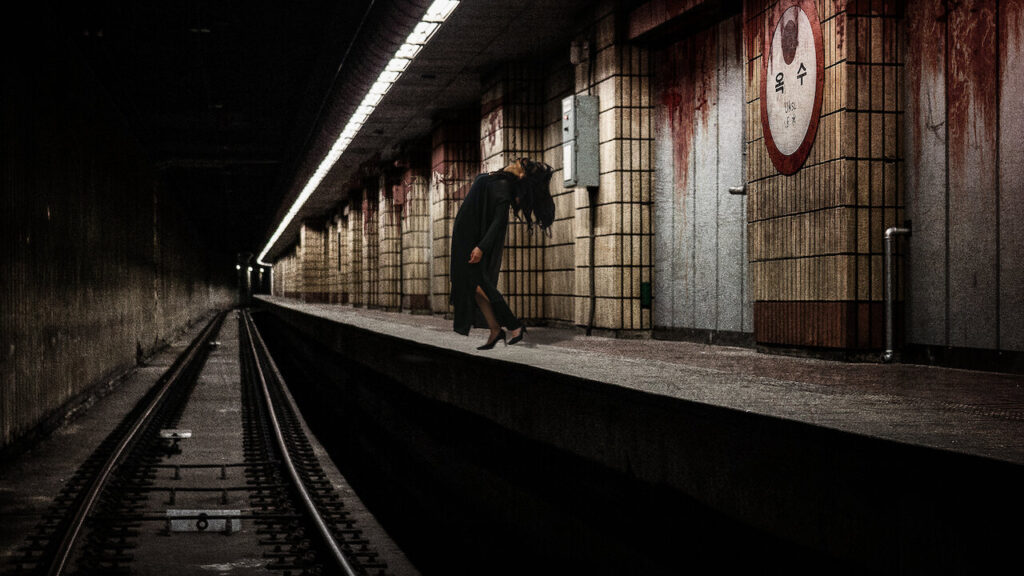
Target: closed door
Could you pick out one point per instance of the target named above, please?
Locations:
(700, 278)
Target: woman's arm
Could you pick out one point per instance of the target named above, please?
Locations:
(496, 229)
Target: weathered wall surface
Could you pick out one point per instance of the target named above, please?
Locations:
(97, 266)
(965, 173)
(701, 276)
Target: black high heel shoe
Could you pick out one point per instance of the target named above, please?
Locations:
(489, 345)
(522, 332)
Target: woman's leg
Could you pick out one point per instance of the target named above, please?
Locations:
(498, 314)
(488, 311)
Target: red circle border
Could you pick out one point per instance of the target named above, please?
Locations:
(791, 163)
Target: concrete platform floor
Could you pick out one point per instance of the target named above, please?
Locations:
(971, 412)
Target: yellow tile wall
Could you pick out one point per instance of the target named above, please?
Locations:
(817, 235)
(416, 242)
(620, 76)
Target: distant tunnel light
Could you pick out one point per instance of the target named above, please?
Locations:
(436, 14)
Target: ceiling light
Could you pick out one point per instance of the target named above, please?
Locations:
(408, 51)
(436, 14)
(422, 33)
(440, 10)
(398, 65)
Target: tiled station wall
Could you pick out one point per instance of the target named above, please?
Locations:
(389, 254)
(454, 162)
(816, 235)
(415, 242)
(545, 278)
(618, 73)
(919, 121)
(512, 127)
(97, 265)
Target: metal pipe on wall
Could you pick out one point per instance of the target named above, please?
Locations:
(890, 236)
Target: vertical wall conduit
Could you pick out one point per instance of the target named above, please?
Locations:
(890, 238)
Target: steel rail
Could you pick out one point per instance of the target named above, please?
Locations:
(99, 481)
(325, 532)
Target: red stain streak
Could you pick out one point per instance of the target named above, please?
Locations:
(971, 82)
(840, 24)
(754, 31)
(1011, 29)
(687, 73)
(925, 33)
(493, 125)
(737, 38)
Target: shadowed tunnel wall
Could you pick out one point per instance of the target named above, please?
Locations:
(97, 266)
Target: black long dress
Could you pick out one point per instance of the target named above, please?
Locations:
(480, 222)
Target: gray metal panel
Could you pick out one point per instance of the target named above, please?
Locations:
(926, 200)
(1011, 199)
(705, 196)
(735, 308)
(665, 256)
(700, 229)
(973, 262)
(686, 235)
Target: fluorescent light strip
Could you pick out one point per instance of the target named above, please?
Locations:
(436, 14)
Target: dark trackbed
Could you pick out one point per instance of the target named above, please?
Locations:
(130, 492)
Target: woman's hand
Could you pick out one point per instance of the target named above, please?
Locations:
(476, 256)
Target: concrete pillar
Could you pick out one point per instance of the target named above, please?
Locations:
(370, 249)
(313, 253)
(344, 255)
(455, 161)
(816, 234)
(415, 242)
(355, 251)
(333, 268)
(618, 73)
(389, 238)
(512, 127)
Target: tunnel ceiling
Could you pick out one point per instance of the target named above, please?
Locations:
(217, 93)
(234, 101)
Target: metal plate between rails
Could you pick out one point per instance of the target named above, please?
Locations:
(204, 520)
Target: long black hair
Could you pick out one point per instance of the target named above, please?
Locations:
(533, 196)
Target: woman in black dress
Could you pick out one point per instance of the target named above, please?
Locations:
(478, 238)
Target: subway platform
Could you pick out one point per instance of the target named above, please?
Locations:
(901, 469)
(969, 412)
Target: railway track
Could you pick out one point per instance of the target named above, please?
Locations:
(125, 501)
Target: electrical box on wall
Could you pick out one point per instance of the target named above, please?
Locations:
(580, 164)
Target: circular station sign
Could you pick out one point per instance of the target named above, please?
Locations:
(792, 82)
